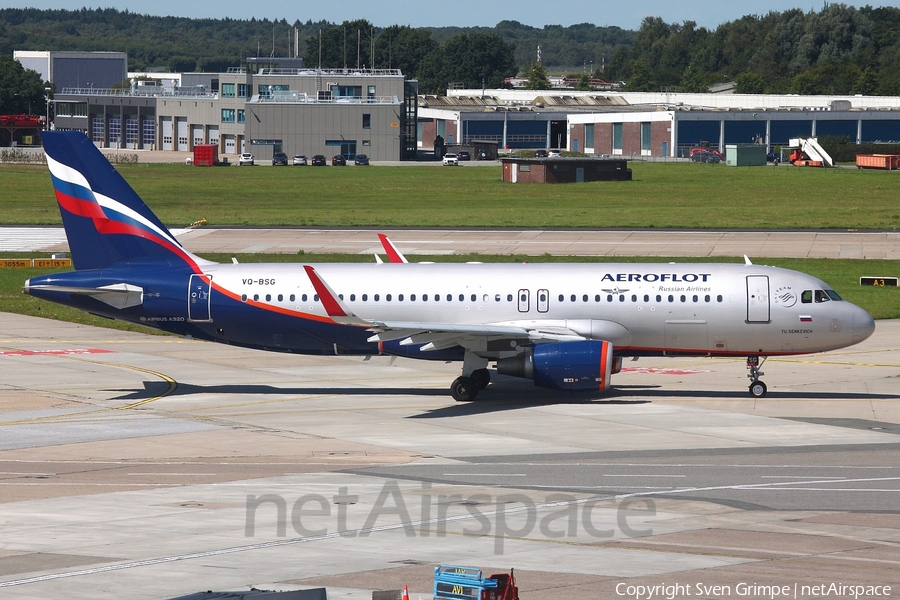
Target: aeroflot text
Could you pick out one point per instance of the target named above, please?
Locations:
(653, 277)
(750, 590)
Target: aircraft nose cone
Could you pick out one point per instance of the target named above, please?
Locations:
(863, 325)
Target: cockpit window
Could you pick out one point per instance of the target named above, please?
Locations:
(833, 295)
(806, 297)
(821, 296)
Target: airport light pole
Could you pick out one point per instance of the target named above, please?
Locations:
(47, 91)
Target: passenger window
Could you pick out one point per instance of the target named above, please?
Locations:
(646, 297)
(806, 297)
(316, 298)
(572, 297)
(821, 296)
(424, 297)
(597, 298)
(634, 297)
(255, 297)
(497, 298)
(400, 298)
(376, 297)
(706, 298)
(388, 298)
(473, 297)
(450, 297)
(609, 298)
(365, 297)
(268, 297)
(561, 298)
(658, 298)
(303, 297)
(683, 298)
(243, 297)
(621, 297)
(719, 298)
(462, 297)
(412, 297)
(671, 298)
(293, 297)
(280, 297)
(341, 296)
(695, 298)
(508, 297)
(584, 298)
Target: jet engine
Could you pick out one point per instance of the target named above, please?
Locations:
(568, 366)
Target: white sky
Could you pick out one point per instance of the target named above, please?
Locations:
(440, 13)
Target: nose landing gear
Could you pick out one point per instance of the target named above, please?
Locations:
(758, 389)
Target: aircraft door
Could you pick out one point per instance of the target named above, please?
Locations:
(524, 300)
(199, 298)
(758, 299)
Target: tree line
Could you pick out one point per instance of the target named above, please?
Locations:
(837, 50)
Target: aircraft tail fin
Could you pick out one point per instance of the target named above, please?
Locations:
(106, 222)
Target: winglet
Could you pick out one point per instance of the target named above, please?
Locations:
(394, 255)
(335, 309)
(747, 260)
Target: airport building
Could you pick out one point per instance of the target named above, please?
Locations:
(272, 105)
(259, 109)
(654, 124)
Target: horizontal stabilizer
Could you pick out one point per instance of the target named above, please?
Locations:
(117, 295)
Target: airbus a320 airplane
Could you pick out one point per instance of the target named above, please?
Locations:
(566, 326)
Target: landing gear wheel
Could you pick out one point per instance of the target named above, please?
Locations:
(482, 378)
(758, 389)
(464, 389)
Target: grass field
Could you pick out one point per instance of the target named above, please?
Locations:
(843, 274)
(662, 195)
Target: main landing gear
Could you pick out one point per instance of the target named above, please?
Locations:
(758, 389)
(475, 376)
(464, 389)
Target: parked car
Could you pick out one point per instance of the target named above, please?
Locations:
(710, 151)
(299, 160)
(482, 154)
(361, 159)
(705, 157)
(464, 155)
(245, 159)
(554, 154)
(773, 158)
(338, 160)
(451, 160)
(319, 160)
(540, 154)
(279, 158)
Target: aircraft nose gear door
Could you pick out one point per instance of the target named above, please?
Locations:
(758, 299)
(198, 298)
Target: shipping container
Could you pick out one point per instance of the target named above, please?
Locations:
(888, 162)
(206, 155)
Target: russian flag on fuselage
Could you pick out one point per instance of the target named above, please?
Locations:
(106, 221)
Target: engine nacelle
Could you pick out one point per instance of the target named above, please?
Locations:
(568, 366)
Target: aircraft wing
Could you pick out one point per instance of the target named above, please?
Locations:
(437, 336)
